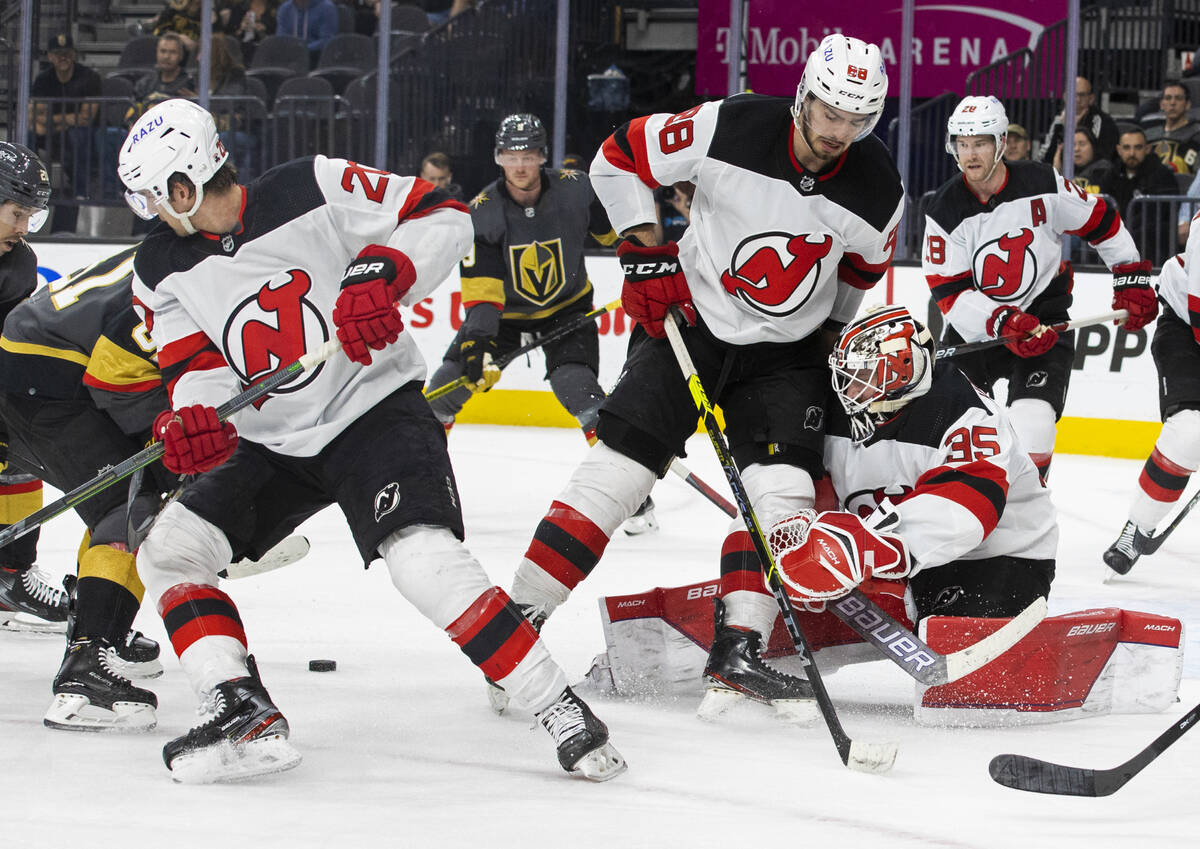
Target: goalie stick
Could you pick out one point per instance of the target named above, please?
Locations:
(1058, 327)
(148, 455)
(855, 754)
(1037, 776)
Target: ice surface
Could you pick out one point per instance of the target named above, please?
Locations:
(401, 749)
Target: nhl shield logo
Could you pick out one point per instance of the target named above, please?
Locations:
(227, 243)
(387, 500)
(807, 183)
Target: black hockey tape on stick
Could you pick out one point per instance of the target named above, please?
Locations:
(502, 362)
(1057, 327)
(864, 757)
(1154, 543)
(153, 452)
(1037, 776)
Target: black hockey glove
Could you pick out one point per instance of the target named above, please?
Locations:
(477, 351)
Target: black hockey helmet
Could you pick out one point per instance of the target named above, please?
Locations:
(23, 177)
(521, 132)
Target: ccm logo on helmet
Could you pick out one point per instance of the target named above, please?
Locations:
(146, 130)
(365, 268)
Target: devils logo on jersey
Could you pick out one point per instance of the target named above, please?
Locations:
(865, 501)
(1005, 268)
(776, 273)
(273, 328)
(537, 270)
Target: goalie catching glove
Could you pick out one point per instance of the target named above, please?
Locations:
(365, 314)
(194, 439)
(1132, 292)
(654, 283)
(823, 556)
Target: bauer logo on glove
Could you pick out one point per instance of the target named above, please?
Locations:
(823, 556)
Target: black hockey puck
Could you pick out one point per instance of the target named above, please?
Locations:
(322, 665)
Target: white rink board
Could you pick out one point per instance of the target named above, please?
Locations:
(1114, 378)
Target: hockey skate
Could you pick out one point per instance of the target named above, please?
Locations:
(643, 521)
(582, 739)
(135, 656)
(244, 736)
(497, 698)
(735, 671)
(1123, 553)
(29, 603)
(90, 696)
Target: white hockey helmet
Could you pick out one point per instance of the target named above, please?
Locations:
(172, 137)
(881, 362)
(978, 116)
(845, 73)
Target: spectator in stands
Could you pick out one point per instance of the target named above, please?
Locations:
(313, 21)
(435, 168)
(181, 17)
(255, 24)
(1090, 170)
(674, 210)
(64, 131)
(1140, 174)
(1087, 115)
(1017, 145)
(1174, 136)
(227, 78)
(440, 11)
(169, 78)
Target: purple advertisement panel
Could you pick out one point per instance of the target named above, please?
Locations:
(949, 40)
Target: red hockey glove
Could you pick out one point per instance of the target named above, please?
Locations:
(654, 283)
(193, 439)
(477, 352)
(365, 314)
(1132, 292)
(1010, 321)
(823, 556)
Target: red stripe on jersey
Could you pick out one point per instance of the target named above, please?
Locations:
(419, 189)
(579, 526)
(178, 594)
(1163, 480)
(204, 361)
(636, 136)
(145, 312)
(131, 388)
(184, 636)
(446, 204)
(181, 349)
(980, 486)
(857, 272)
(945, 290)
(1193, 305)
(554, 564)
(1101, 209)
(20, 488)
(616, 157)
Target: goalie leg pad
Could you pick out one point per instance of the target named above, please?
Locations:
(1089, 663)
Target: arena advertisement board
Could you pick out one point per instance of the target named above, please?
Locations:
(949, 39)
(1112, 406)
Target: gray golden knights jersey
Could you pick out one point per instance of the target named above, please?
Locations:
(528, 261)
(227, 310)
(18, 276)
(950, 462)
(79, 338)
(980, 256)
(773, 251)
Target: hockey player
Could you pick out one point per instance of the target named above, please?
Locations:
(794, 215)
(1176, 454)
(993, 248)
(235, 282)
(24, 206)
(526, 275)
(79, 390)
(933, 482)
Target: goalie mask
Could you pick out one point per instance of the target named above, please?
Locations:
(845, 73)
(881, 362)
(978, 116)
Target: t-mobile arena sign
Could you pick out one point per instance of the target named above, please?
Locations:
(950, 40)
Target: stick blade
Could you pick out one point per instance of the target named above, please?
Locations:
(876, 758)
(1036, 776)
(980, 654)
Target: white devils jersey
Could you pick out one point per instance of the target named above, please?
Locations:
(979, 256)
(950, 462)
(772, 250)
(226, 311)
(1179, 282)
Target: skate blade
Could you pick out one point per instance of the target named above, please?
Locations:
(498, 699)
(600, 764)
(130, 669)
(26, 623)
(717, 701)
(72, 712)
(227, 762)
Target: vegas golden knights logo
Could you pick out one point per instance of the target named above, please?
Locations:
(537, 271)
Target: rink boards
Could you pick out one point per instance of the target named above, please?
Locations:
(1112, 407)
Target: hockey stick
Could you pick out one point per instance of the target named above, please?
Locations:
(284, 553)
(704, 489)
(1057, 327)
(1154, 543)
(1037, 776)
(503, 361)
(864, 757)
(148, 455)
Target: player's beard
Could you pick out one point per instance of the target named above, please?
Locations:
(810, 139)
